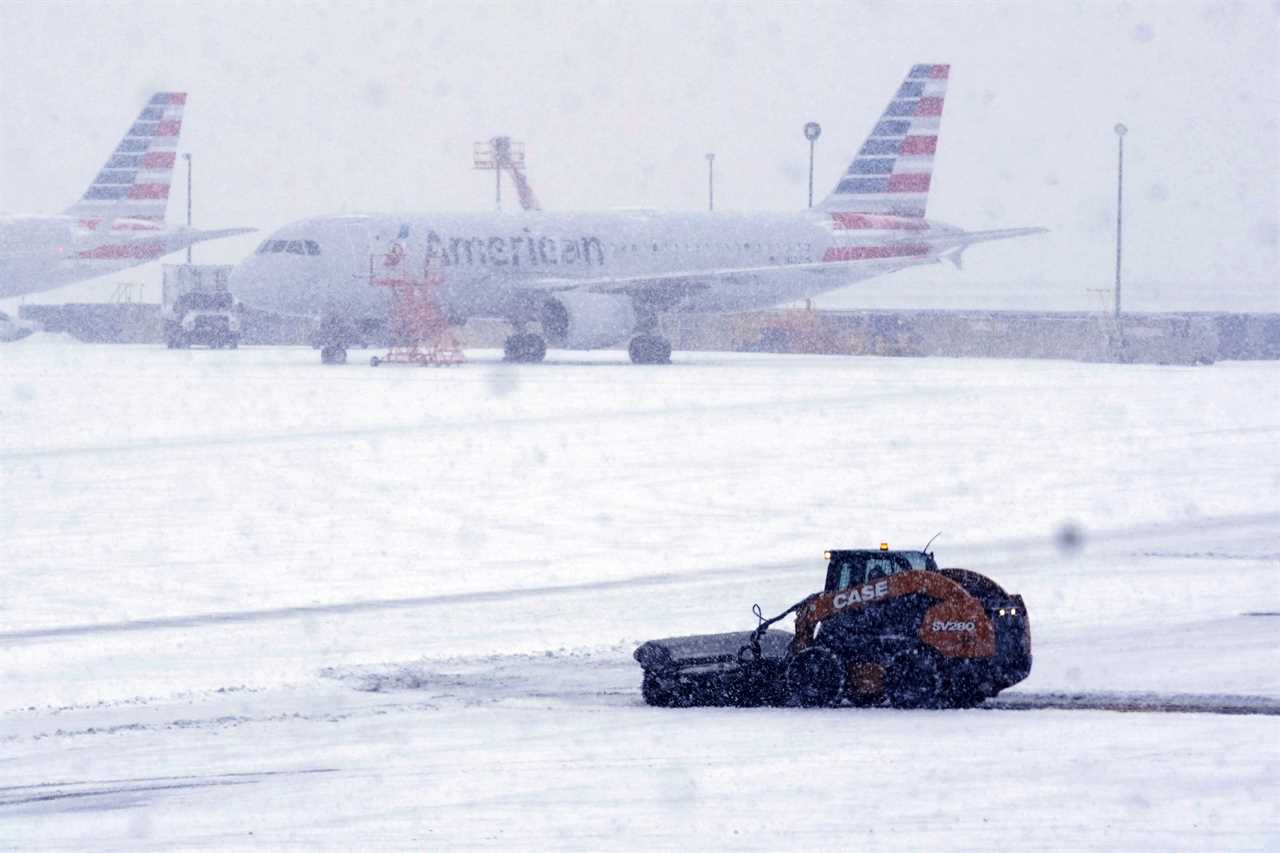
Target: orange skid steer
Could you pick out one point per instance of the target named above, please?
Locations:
(889, 628)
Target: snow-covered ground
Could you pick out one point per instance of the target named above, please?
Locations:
(247, 601)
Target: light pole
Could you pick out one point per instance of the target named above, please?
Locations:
(711, 182)
(1121, 130)
(812, 131)
(187, 157)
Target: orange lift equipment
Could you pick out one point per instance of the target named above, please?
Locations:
(420, 330)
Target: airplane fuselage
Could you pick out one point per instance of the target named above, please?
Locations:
(595, 279)
(43, 252)
(491, 264)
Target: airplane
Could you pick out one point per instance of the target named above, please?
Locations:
(119, 221)
(590, 280)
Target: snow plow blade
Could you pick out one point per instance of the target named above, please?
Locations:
(714, 669)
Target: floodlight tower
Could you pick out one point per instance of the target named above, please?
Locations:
(498, 153)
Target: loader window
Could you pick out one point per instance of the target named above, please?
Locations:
(917, 559)
(880, 567)
(845, 578)
(858, 568)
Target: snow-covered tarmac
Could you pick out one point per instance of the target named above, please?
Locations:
(247, 601)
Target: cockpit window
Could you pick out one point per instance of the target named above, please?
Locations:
(293, 247)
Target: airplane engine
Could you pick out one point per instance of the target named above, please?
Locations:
(587, 320)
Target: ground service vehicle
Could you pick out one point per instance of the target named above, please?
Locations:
(889, 627)
(202, 317)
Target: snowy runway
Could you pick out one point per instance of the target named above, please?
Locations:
(250, 601)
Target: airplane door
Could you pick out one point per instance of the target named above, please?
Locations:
(358, 240)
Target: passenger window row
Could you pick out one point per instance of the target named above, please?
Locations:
(621, 248)
(292, 247)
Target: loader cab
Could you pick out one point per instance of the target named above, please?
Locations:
(847, 569)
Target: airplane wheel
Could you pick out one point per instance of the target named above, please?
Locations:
(649, 349)
(527, 348)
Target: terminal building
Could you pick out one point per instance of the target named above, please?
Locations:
(1150, 338)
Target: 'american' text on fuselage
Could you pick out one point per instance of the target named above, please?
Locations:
(527, 248)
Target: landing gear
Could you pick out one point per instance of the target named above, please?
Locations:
(650, 349)
(525, 347)
(332, 338)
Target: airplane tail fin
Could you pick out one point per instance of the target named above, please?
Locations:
(891, 172)
(134, 183)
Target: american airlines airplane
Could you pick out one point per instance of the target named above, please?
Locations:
(118, 223)
(588, 280)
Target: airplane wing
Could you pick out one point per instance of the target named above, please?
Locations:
(180, 238)
(971, 237)
(965, 239)
(916, 249)
(691, 280)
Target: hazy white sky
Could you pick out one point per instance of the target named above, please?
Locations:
(298, 109)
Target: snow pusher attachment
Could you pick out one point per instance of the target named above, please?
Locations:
(890, 627)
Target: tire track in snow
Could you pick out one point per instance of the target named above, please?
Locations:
(444, 426)
(1002, 552)
(19, 795)
(1144, 703)
(373, 605)
(571, 678)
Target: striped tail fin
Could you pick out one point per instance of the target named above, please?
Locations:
(892, 170)
(134, 183)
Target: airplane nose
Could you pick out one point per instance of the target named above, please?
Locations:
(246, 279)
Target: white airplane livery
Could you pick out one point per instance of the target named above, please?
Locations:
(118, 223)
(588, 280)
